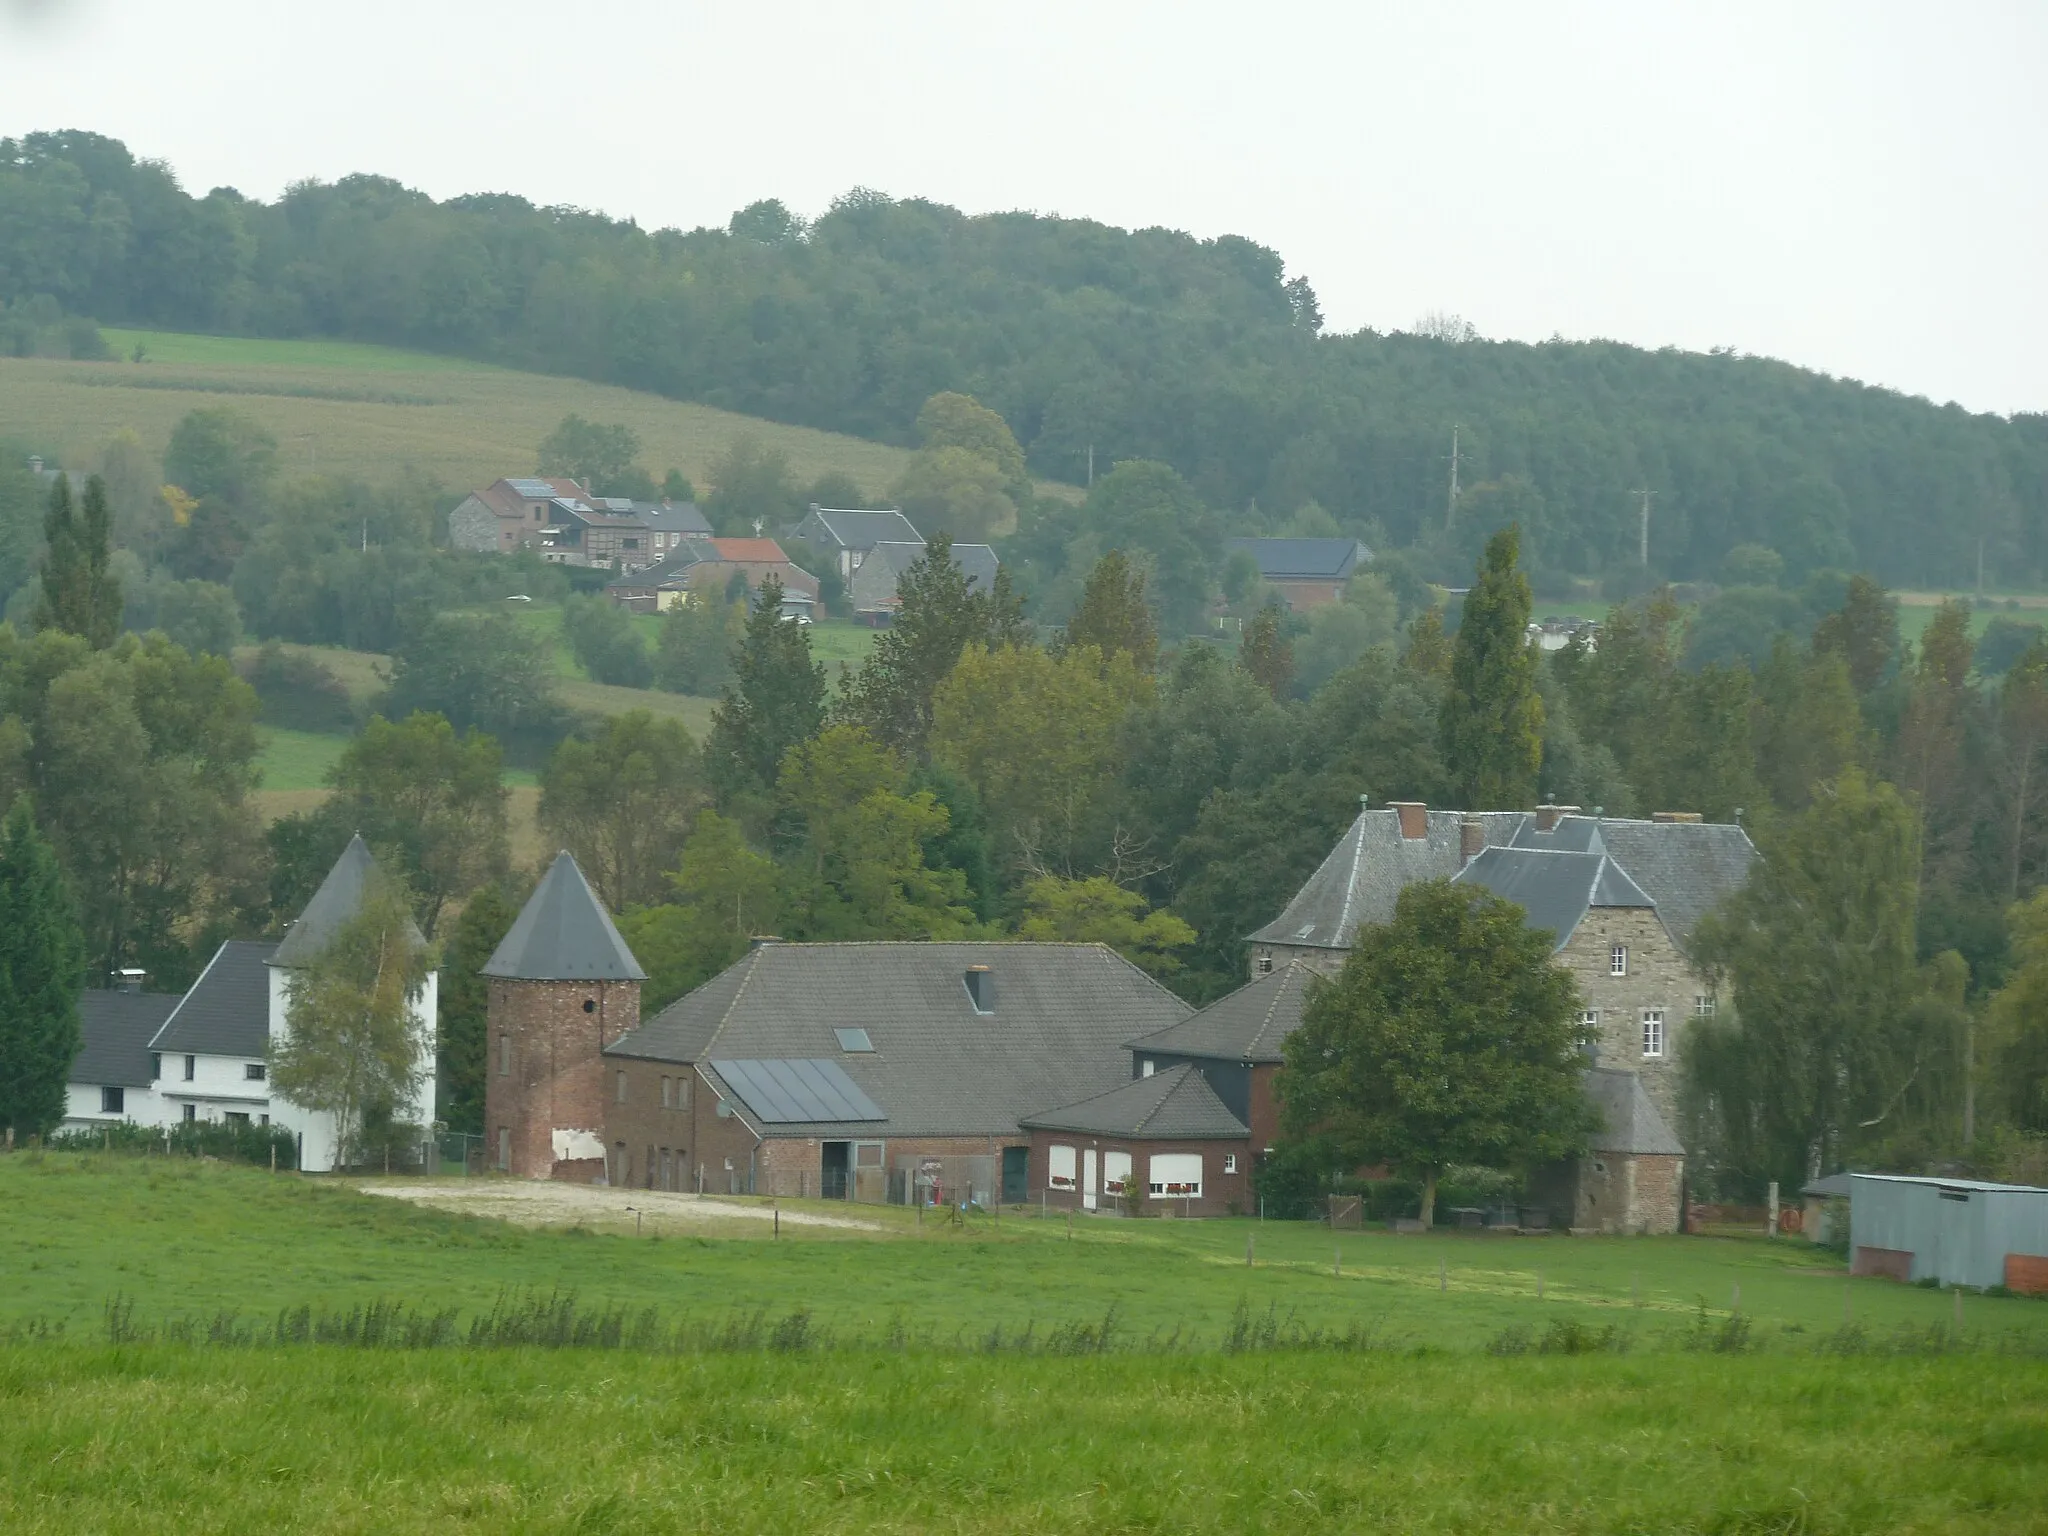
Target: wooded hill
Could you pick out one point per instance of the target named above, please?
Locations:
(1137, 344)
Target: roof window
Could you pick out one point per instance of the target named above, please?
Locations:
(854, 1040)
(981, 988)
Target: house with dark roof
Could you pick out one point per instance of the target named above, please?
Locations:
(1161, 1141)
(1307, 572)
(112, 1077)
(213, 1050)
(874, 582)
(507, 514)
(708, 565)
(848, 535)
(875, 1071)
(1235, 1043)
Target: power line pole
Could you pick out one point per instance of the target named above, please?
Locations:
(1451, 506)
(1644, 541)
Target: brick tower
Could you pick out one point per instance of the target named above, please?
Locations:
(563, 986)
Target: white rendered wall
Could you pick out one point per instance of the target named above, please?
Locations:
(138, 1104)
(316, 1127)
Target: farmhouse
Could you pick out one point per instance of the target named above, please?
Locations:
(708, 565)
(1307, 572)
(874, 583)
(848, 536)
(572, 525)
(1163, 1141)
(207, 1055)
(1235, 1044)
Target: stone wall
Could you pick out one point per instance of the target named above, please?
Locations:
(547, 1090)
(1658, 977)
(1613, 1192)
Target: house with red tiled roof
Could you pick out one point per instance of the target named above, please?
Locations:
(709, 565)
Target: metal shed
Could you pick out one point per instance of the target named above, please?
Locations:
(1957, 1231)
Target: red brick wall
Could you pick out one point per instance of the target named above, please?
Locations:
(1265, 1108)
(1223, 1193)
(557, 1080)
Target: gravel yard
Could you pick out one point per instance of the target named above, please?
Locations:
(539, 1204)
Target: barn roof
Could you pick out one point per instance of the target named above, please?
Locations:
(1174, 1105)
(1246, 1025)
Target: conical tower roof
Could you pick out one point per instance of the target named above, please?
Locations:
(339, 898)
(563, 933)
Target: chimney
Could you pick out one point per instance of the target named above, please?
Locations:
(130, 979)
(1471, 838)
(1414, 816)
(981, 988)
(762, 940)
(1548, 815)
(1676, 818)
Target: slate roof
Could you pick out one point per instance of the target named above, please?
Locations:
(673, 517)
(227, 1012)
(339, 898)
(563, 933)
(1555, 888)
(1303, 559)
(1630, 1121)
(115, 1029)
(857, 530)
(977, 562)
(1246, 1025)
(1175, 1105)
(1056, 1035)
(1684, 868)
(1366, 871)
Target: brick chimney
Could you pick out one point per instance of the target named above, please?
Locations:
(1414, 816)
(1676, 818)
(1471, 838)
(1548, 815)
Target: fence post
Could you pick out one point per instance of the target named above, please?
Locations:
(1956, 1292)
(1539, 1285)
(1337, 1264)
(1442, 1278)
(1772, 1229)
(1249, 1239)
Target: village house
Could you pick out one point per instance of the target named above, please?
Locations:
(708, 565)
(208, 1055)
(1307, 572)
(873, 588)
(1235, 1044)
(1161, 1142)
(847, 536)
(570, 525)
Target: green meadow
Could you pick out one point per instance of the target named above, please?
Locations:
(161, 1368)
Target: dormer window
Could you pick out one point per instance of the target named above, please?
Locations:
(981, 988)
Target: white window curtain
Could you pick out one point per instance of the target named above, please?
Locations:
(1116, 1169)
(1060, 1173)
(1173, 1175)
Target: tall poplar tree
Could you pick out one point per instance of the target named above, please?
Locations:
(80, 595)
(1491, 721)
(1114, 615)
(42, 968)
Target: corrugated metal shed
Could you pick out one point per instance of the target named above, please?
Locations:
(1957, 1231)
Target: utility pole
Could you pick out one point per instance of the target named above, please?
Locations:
(1644, 539)
(1091, 466)
(1451, 506)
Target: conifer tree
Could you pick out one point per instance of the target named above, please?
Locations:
(1265, 653)
(464, 1005)
(80, 595)
(1491, 720)
(939, 616)
(42, 968)
(1113, 614)
(776, 699)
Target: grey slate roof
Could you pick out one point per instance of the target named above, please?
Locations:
(1056, 1035)
(1366, 871)
(339, 898)
(115, 1029)
(563, 933)
(1684, 868)
(227, 1012)
(1246, 1025)
(840, 529)
(1303, 559)
(1556, 889)
(673, 517)
(1630, 1122)
(1175, 1105)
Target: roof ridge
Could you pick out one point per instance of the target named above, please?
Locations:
(1161, 1102)
(196, 980)
(1273, 1006)
(1351, 878)
(753, 963)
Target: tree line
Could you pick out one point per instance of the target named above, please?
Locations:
(1098, 345)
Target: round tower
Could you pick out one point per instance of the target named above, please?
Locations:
(563, 986)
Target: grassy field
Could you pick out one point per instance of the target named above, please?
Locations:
(888, 1381)
(369, 411)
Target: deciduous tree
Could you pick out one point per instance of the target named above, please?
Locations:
(1266, 654)
(1097, 910)
(1113, 615)
(1449, 1037)
(623, 803)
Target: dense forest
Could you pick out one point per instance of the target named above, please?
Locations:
(1089, 340)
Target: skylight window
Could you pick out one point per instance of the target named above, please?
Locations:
(854, 1040)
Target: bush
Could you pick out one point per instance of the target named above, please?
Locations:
(607, 645)
(236, 1143)
(298, 692)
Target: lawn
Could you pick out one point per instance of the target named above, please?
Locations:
(830, 1381)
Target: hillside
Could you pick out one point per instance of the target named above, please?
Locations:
(367, 411)
(1097, 344)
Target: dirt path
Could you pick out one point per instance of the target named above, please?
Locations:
(537, 1204)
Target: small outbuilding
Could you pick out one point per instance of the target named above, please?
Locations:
(1955, 1231)
(1163, 1143)
(1824, 1202)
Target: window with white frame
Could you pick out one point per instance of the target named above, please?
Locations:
(1265, 965)
(1060, 1168)
(1175, 1175)
(620, 1090)
(1703, 1005)
(1116, 1172)
(667, 1088)
(1653, 1031)
(1589, 1018)
(1146, 1067)
(504, 1055)
(1230, 1162)
(1617, 960)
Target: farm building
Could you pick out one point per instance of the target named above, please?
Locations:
(1955, 1231)
(1162, 1142)
(873, 586)
(1307, 572)
(848, 535)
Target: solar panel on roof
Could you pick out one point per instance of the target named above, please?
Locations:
(794, 1090)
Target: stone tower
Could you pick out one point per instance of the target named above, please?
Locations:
(563, 986)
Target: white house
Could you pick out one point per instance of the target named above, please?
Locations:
(158, 1060)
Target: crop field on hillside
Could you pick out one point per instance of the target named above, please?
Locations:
(371, 411)
(226, 1350)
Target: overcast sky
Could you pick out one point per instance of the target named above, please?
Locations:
(1861, 188)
